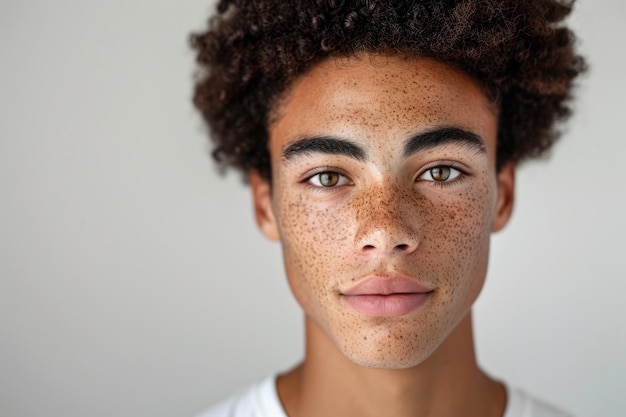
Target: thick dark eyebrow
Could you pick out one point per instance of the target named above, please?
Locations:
(326, 145)
(443, 136)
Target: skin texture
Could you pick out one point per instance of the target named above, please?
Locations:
(386, 215)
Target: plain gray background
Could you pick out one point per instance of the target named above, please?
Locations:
(133, 281)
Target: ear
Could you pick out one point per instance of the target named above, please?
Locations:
(263, 210)
(506, 196)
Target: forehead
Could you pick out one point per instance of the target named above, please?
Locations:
(377, 98)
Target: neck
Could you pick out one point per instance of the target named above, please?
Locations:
(448, 383)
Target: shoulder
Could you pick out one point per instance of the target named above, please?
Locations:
(257, 400)
(520, 404)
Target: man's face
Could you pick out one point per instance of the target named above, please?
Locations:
(384, 195)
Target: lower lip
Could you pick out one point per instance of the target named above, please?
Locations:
(391, 305)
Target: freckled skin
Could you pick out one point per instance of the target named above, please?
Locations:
(333, 237)
(386, 215)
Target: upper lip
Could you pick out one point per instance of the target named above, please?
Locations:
(386, 285)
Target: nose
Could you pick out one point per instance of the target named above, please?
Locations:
(387, 224)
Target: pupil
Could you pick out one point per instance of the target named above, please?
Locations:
(328, 179)
(441, 173)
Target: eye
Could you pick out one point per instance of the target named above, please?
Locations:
(328, 179)
(440, 173)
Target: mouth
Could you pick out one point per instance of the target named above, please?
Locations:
(379, 296)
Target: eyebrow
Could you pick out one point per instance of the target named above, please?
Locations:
(443, 136)
(420, 142)
(326, 145)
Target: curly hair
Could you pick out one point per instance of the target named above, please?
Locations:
(518, 51)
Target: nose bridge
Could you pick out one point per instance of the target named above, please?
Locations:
(385, 220)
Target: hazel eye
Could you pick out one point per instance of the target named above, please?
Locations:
(441, 173)
(328, 179)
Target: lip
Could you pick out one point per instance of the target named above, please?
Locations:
(380, 296)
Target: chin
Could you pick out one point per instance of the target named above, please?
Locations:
(389, 350)
(388, 359)
(390, 363)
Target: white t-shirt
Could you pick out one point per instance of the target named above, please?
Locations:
(261, 400)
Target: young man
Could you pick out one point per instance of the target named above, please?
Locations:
(380, 139)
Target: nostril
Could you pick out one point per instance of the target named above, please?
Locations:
(402, 246)
(368, 247)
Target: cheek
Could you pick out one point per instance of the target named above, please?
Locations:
(456, 245)
(315, 242)
(313, 230)
(318, 240)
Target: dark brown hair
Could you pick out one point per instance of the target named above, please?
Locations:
(253, 49)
